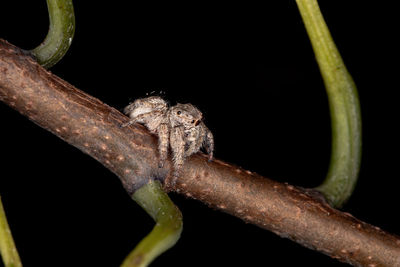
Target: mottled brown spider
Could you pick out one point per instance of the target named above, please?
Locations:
(179, 127)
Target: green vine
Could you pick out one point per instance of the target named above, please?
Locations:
(60, 35)
(152, 198)
(8, 250)
(344, 108)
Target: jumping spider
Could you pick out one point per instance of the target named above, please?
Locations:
(179, 127)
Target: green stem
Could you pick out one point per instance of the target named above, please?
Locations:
(60, 35)
(165, 233)
(344, 107)
(8, 250)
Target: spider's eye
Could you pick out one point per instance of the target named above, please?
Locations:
(179, 112)
(192, 121)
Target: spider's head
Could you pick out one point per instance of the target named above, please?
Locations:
(186, 115)
(145, 105)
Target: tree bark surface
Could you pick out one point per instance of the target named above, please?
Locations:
(131, 153)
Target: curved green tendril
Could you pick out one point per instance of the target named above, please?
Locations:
(344, 108)
(8, 250)
(165, 233)
(60, 35)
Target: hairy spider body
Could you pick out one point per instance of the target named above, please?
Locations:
(150, 111)
(179, 127)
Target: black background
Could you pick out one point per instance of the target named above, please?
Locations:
(251, 70)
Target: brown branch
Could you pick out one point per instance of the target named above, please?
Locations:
(93, 127)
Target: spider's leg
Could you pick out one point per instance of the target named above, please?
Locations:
(142, 118)
(126, 124)
(209, 144)
(177, 143)
(163, 141)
